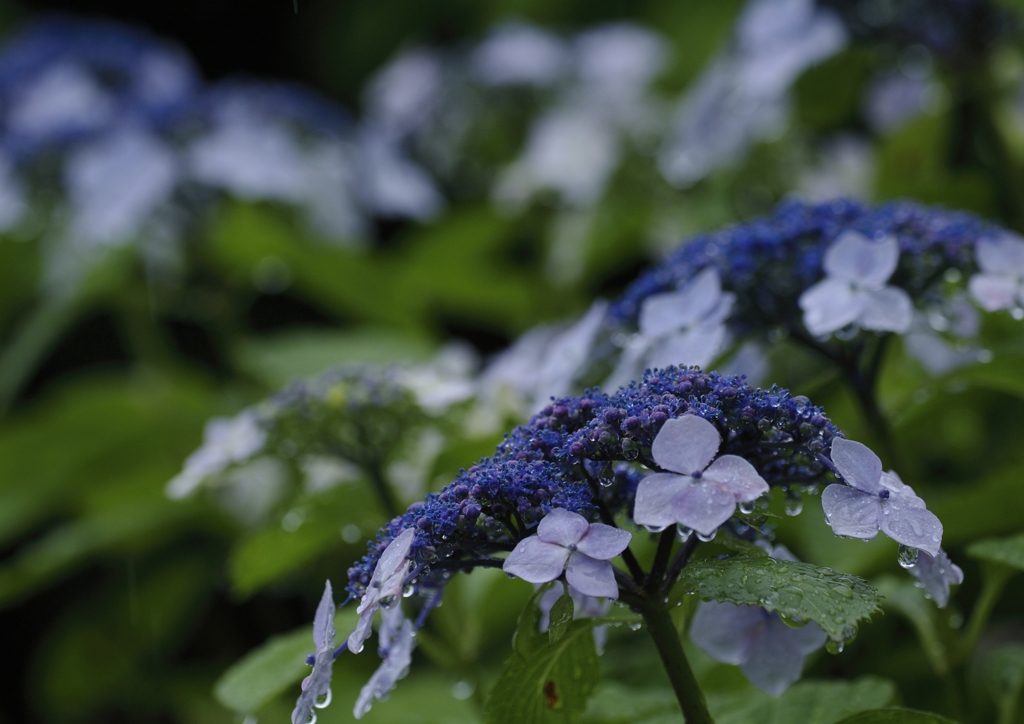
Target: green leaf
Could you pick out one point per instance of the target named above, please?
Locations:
(1004, 678)
(807, 702)
(835, 601)
(1008, 551)
(525, 640)
(908, 600)
(896, 716)
(270, 669)
(552, 685)
(561, 617)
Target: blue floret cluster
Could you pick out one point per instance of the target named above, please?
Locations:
(770, 261)
(587, 455)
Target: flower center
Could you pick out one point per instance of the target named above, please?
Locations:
(697, 475)
(573, 547)
(883, 494)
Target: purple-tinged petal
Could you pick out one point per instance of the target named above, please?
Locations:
(394, 556)
(775, 661)
(888, 309)
(851, 512)
(661, 314)
(829, 305)
(726, 632)
(631, 363)
(937, 575)
(591, 577)
(859, 467)
(738, 476)
(604, 542)
(654, 496)
(535, 561)
(695, 346)
(704, 507)
(323, 621)
(1004, 255)
(807, 638)
(994, 291)
(855, 258)
(317, 685)
(562, 527)
(363, 628)
(898, 489)
(398, 638)
(911, 526)
(686, 444)
(721, 311)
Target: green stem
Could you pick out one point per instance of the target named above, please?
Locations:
(31, 341)
(995, 578)
(670, 649)
(383, 490)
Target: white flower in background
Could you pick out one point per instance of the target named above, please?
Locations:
(520, 54)
(65, 100)
(401, 96)
(115, 185)
(250, 491)
(445, 381)
(226, 442)
(331, 199)
(12, 195)
(321, 473)
(927, 339)
(567, 355)
(1000, 282)
(251, 158)
(844, 168)
(620, 59)
(389, 184)
(854, 290)
(743, 96)
(893, 101)
(750, 361)
(685, 327)
(409, 472)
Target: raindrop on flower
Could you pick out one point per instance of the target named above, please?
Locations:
(794, 504)
(683, 533)
(709, 537)
(834, 647)
(746, 507)
(655, 528)
(907, 556)
(322, 702)
(408, 590)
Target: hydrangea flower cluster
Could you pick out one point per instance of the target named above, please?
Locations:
(552, 495)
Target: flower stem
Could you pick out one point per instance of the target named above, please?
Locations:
(995, 578)
(670, 649)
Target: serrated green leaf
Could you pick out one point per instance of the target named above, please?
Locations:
(835, 601)
(896, 716)
(551, 686)
(561, 617)
(1008, 551)
(270, 669)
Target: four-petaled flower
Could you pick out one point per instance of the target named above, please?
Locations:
(316, 688)
(1000, 284)
(566, 541)
(386, 584)
(936, 574)
(684, 327)
(698, 495)
(875, 501)
(854, 289)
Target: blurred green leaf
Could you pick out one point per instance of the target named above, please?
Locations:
(269, 670)
(835, 601)
(896, 716)
(1008, 551)
(1004, 678)
(904, 597)
(561, 617)
(552, 685)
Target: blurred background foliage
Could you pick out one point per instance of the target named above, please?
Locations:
(120, 604)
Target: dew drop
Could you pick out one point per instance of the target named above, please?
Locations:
(655, 528)
(747, 507)
(843, 590)
(388, 601)
(709, 537)
(408, 591)
(634, 627)
(683, 533)
(312, 718)
(834, 647)
(794, 505)
(907, 556)
(322, 702)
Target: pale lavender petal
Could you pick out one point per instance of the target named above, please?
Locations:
(911, 526)
(662, 314)
(888, 309)
(394, 556)
(807, 638)
(535, 561)
(738, 476)
(937, 575)
(1004, 255)
(859, 467)
(631, 363)
(783, 553)
(393, 585)
(830, 305)
(704, 507)
(726, 632)
(695, 346)
(686, 444)
(775, 662)
(604, 542)
(654, 496)
(994, 291)
(323, 621)
(898, 489)
(591, 577)
(562, 527)
(851, 512)
(855, 258)
(397, 652)
(363, 628)
(721, 311)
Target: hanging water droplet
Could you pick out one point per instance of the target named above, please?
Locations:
(794, 506)
(834, 647)
(907, 556)
(462, 690)
(322, 702)
(634, 627)
(312, 718)
(683, 533)
(388, 601)
(655, 528)
(747, 507)
(709, 537)
(408, 590)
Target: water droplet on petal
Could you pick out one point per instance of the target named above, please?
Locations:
(322, 702)
(747, 507)
(683, 533)
(907, 556)
(710, 536)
